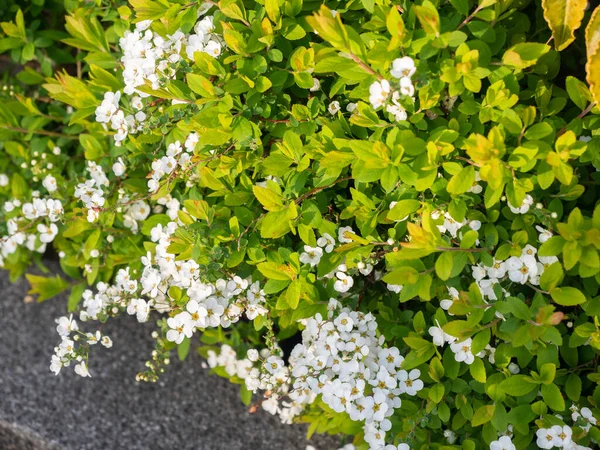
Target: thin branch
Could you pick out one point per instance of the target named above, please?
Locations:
(42, 132)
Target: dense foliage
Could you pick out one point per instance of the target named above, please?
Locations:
(379, 217)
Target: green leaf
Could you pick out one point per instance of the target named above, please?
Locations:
(444, 265)
(578, 92)
(403, 275)
(292, 294)
(402, 209)
(436, 392)
(517, 385)
(183, 349)
(276, 271)
(483, 414)
(245, 395)
(547, 373)
(46, 287)
(76, 296)
(197, 208)
(271, 200)
(567, 296)
(277, 224)
(552, 276)
(573, 387)
(462, 181)
(553, 397)
(477, 370)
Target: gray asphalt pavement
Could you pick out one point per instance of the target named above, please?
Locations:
(186, 409)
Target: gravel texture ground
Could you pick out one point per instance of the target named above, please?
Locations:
(186, 409)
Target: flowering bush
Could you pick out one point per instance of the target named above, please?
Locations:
(378, 217)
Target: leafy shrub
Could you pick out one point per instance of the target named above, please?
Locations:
(380, 216)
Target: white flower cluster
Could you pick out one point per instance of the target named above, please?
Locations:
(136, 212)
(215, 304)
(503, 443)
(527, 268)
(274, 378)
(205, 40)
(67, 351)
(91, 193)
(452, 226)
(149, 57)
(342, 359)
(325, 244)
(175, 157)
(44, 212)
(210, 304)
(381, 92)
(557, 436)
(109, 112)
(462, 350)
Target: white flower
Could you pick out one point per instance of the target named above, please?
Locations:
(108, 107)
(395, 108)
(544, 234)
(351, 107)
(119, 168)
(213, 48)
(462, 351)
(440, 337)
(562, 435)
(503, 443)
(311, 255)
(520, 270)
(403, 67)
(498, 270)
(395, 288)
(81, 369)
(450, 436)
(406, 87)
(66, 325)
(273, 364)
(55, 364)
(343, 237)
(447, 303)
(198, 313)
(334, 107)
(475, 225)
(409, 382)
(4, 180)
(343, 283)
(181, 325)
(252, 355)
(379, 92)
(523, 208)
(316, 85)
(50, 183)
(545, 437)
(47, 233)
(327, 242)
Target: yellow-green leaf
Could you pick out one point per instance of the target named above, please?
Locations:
(524, 55)
(563, 18)
(592, 41)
